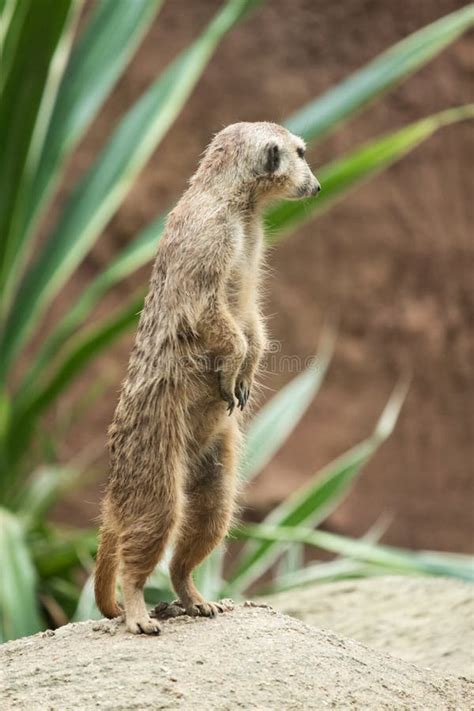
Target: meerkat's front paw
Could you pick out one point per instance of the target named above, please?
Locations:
(143, 625)
(242, 392)
(226, 390)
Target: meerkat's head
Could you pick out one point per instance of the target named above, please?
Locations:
(263, 159)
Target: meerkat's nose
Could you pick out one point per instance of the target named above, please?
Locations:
(317, 188)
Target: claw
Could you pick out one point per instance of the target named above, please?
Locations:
(143, 626)
(226, 395)
(242, 394)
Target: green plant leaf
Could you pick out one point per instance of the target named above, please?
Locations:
(159, 578)
(101, 190)
(346, 173)
(86, 607)
(87, 346)
(137, 253)
(12, 18)
(36, 29)
(312, 503)
(292, 560)
(56, 552)
(339, 569)
(275, 421)
(106, 44)
(208, 576)
(19, 614)
(386, 557)
(326, 112)
(43, 489)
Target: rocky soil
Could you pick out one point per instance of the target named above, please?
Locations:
(427, 621)
(251, 658)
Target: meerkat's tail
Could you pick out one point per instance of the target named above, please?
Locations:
(146, 528)
(106, 574)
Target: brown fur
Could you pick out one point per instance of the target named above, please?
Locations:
(174, 438)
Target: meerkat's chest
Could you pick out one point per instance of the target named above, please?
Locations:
(242, 284)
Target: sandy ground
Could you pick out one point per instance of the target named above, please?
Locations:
(427, 621)
(251, 658)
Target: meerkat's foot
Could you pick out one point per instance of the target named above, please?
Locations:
(143, 625)
(242, 393)
(165, 610)
(209, 609)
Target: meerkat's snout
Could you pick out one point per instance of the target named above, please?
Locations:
(316, 187)
(310, 187)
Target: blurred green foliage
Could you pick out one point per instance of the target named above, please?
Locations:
(51, 89)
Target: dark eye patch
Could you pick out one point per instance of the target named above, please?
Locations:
(300, 152)
(273, 158)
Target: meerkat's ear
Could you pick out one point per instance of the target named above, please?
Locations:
(273, 158)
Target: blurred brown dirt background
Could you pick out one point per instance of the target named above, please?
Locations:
(393, 261)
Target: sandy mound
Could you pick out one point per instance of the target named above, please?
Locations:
(427, 621)
(251, 658)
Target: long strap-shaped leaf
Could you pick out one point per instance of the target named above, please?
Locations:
(331, 571)
(326, 112)
(315, 501)
(339, 568)
(36, 28)
(87, 346)
(43, 490)
(135, 255)
(385, 557)
(102, 189)
(277, 419)
(339, 177)
(19, 615)
(59, 553)
(97, 60)
(12, 17)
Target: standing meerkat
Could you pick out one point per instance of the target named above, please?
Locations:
(174, 438)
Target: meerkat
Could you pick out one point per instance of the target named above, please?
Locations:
(175, 435)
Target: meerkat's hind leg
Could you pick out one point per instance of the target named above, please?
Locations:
(206, 518)
(141, 549)
(137, 618)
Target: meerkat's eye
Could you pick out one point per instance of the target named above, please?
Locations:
(300, 152)
(273, 158)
